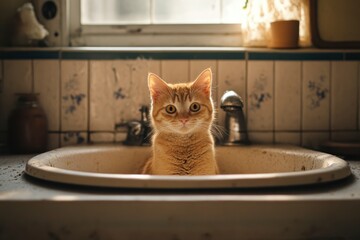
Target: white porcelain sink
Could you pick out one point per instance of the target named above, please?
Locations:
(240, 166)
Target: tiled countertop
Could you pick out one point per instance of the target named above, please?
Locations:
(41, 210)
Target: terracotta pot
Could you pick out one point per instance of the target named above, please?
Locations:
(284, 34)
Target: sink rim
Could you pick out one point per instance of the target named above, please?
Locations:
(38, 168)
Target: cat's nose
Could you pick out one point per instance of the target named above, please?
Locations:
(184, 120)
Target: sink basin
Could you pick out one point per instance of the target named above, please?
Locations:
(240, 167)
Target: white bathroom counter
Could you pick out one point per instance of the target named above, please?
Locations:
(38, 209)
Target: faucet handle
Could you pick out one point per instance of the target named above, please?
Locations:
(230, 99)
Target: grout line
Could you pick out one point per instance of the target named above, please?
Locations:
(358, 98)
(88, 100)
(330, 98)
(273, 93)
(301, 100)
(32, 76)
(246, 91)
(160, 68)
(217, 104)
(60, 100)
(189, 70)
(2, 76)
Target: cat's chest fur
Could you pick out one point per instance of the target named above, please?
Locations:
(185, 155)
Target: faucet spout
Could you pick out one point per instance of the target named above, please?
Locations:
(235, 124)
(139, 131)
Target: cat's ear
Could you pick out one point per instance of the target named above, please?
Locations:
(156, 85)
(203, 82)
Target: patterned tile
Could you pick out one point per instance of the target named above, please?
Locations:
(138, 91)
(17, 79)
(260, 101)
(103, 91)
(231, 76)
(175, 71)
(315, 95)
(74, 95)
(73, 138)
(133, 81)
(344, 93)
(46, 83)
(117, 90)
(287, 95)
(287, 138)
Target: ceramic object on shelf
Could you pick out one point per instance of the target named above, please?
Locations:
(240, 167)
(27, 125)
(284, 34)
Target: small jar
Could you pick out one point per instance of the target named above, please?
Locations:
(284, 34)
(27, 125)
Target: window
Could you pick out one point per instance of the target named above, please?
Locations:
(156, 22)
(181, 22)
(130, 12)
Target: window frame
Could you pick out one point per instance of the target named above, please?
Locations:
(222, 35)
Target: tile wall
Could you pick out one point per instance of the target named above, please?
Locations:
(300, 99)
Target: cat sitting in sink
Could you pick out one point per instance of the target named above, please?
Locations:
(181, 116)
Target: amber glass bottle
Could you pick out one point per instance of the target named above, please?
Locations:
(27, 125)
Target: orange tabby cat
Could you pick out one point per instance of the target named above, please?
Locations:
(181, 116)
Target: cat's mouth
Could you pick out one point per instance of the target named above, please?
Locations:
(181, 128)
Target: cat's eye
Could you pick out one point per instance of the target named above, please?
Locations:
(195, 107)
(171, 109)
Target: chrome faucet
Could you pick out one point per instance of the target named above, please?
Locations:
(235, 124)
(139, 132)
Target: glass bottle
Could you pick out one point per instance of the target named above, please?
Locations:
(27, 125)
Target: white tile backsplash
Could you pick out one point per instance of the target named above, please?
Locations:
(344, 103)
(47, 83)
(102, 137)
(17, 79)
(231, 76)
(261, 137)
(287, 95)
(260, 95)
(288, 138)
(120, 136)
(105, 88)
(74, 95)
(314, 139)
(197, 66)
(130, 90)
(175, 71)
(291, 102)
(316, 95)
